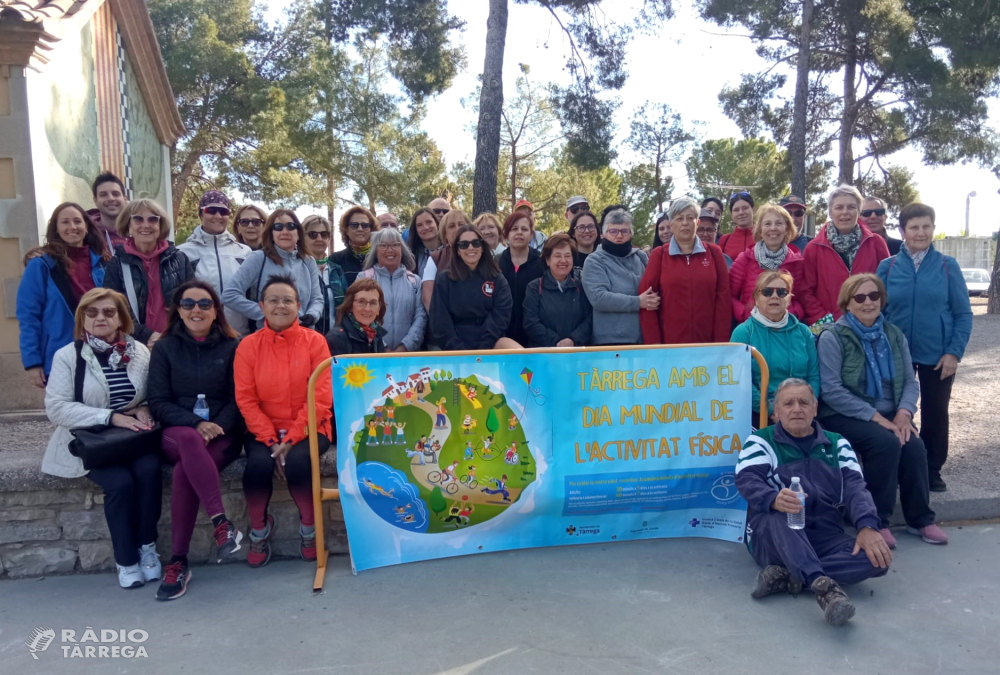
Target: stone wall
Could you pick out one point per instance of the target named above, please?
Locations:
(59, 527)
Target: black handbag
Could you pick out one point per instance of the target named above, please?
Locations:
(106, 445)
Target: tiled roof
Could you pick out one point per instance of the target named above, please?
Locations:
(37, 11)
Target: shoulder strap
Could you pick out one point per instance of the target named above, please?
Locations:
(260, 276)
(81, 372)
(130, 289)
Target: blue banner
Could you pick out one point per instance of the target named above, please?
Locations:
(450, 455)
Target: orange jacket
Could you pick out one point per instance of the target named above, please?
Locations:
(272, 377)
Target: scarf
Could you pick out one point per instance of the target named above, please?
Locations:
(361, 251)
(767, 323)
(878, 355)
(917, 257)
(844, 244)
(122, 350)
(322, 261)
(156, 303)
(768, 260)
(617, 250)
(369, 331)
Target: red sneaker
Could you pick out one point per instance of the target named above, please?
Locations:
(260, 549)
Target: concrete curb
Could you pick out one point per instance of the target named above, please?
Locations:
(23, 416)
(960, 503)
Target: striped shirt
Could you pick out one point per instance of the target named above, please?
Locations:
(121, 388)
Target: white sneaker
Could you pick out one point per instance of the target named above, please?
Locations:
(149, 560)
(130, 577)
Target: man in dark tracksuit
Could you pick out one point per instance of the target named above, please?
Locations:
(821, 556)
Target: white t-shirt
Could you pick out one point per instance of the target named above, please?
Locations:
(430, 271)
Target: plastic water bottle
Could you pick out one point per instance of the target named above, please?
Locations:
(201, 407)
(797, 521)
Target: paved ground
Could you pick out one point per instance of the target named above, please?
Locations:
(671, 606)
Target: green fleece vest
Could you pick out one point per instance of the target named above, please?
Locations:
(852, 370)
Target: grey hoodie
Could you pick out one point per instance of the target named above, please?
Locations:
(612, 286)
(405, 317)
(254, 273)
(216, 259)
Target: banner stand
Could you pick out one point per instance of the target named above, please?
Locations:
(321, 494)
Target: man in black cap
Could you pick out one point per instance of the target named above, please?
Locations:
(797, 210)
(708, 229)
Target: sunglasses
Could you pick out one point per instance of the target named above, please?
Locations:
(878, 212)
(217, 210)
(280, 227)
(737, 196)
(152, 220)
(768, 292)
(440, 212)
(796, 213)
(108, 312)
(360, 225)
(251, 222)
(873, 296)
(188, 304)
(474, 243)
(575, 209)
(323, 234)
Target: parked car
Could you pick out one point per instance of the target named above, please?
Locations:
(978, 280)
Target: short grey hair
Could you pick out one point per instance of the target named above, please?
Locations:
(618, 217)
(845, 191)
(876, 199)
(681, 205)
(389, 235)
(795, 382)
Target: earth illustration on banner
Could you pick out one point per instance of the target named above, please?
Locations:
(438, 452)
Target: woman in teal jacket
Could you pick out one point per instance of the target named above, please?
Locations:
(929, 302)
(786, 344)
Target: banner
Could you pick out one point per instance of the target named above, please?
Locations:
(445, 455)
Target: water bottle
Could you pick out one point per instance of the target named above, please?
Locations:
(201, 407)
(797, 521)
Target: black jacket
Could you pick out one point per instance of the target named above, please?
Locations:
(469, 314)
(518, 281)
(180, 368)
(346, 339)
(552, 313)
(175, 269)
(349, 262)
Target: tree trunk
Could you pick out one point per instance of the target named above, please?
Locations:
(850, 115)
(331, 193)
(484, 186)
(513, 177)
(993, 304)
(659, 182)
(800, 109)
(180, 182)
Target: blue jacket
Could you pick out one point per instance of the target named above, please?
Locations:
(46, 309)
(930, 305)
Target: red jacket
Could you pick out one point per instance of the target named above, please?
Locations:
(272, 379)
(743, 279)
(825, 271)
(694, 294)
(737, 241)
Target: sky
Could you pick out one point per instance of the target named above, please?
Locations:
(684, 66)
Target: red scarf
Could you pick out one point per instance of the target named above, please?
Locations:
(156, 304)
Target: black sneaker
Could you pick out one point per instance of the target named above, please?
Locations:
(176, 576)
(937, 483)
(227, 540)
(775, 579)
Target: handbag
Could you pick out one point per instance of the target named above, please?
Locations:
(106, 445)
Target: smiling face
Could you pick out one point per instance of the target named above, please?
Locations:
(683, 226)
(288, 238)
(586, 232)
(874, 221)
(280, 306)
(359, 229)
(144, 228)
(795, 408)
(773, 230)
(867, 310)
(101, 320)
(560, 262)
(427, 230)
(110, 201)
(251, 225)
(472, 254)
(389, 254)
(707, 230)
(490, 233)
(217, 222)
(664, 232)
(742, 214)
(71, 227)
(317, 240)
(775, 306)
(919, 233)
(520, 234)
(844, 213)
(365, 307)
(197, 320)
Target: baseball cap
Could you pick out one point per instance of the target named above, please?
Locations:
(708, 215)
(573, 201)
(523, 202)
(791, 199)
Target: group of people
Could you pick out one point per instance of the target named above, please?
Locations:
(230, 314)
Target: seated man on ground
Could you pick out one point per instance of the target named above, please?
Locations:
(821, 556)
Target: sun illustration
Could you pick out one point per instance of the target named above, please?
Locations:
(357, 375)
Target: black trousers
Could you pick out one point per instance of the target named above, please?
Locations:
(258, 479)
(935, 396)
(889, 467)
(133, 499)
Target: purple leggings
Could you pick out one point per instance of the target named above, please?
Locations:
(196, 478)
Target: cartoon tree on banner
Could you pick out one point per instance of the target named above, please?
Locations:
(492, 424)
(437, 501)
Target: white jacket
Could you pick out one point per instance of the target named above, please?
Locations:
(216, 258)
(67, 414)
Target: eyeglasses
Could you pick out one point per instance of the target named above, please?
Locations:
(358, 302)
(152, 220)
(250, 222)
(217, 210)
(108, 312)
(615, 232)
(284, 302)
(440, 212)
(280, 227)
(873, 296)
(768, 292)
(187, 304)
(586, 228)
(576, 208)
(705, 230)
(394, 245)
(878, 212)
(466, 243)
(360, 225)
(320, 234)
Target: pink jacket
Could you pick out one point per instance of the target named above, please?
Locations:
(743, 279)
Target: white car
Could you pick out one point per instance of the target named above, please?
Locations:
(978, 280)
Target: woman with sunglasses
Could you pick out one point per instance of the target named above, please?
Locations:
(215, 253)
(248, 226)
(356, 227)
(359, 328)
(869, 396)
(284, 252)
(56, 276)
(193, 364)
(472, 304)
(773, 232)
(787, 345)
(585, 231)
(332, 282)
(520, 265)
(422, 237)
(113, 393)
(147, 268)
(741, 238)
(390, 264)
